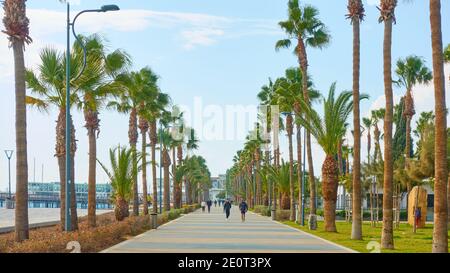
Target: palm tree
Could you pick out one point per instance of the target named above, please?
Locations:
(49, 87)
(103, 68)
(281, 177)
(440, 235)
(121, 177)
(368, 122)
(155, 109)
(272, 121)
(137, 87)
(17, 28)
(304, 27)
(387, 10)
(147, 81)
(191, 145)
(288, 97)
(328, 131)
(127, 103)
(166, 142)
(411, 71)
(356, 15)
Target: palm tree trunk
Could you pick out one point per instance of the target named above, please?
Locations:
(339, 156)
(356, 210)
(91, 118)
(387, 236)
(369, 140)
(291, 168)
(329, 191)
(440, 233)
(166, 166)
(258, 179)
(60, 153)
(133, 137)
(153, 140)
(303, 60)
(174, 183)
(143, 125)
(299, 171)
(21, 212)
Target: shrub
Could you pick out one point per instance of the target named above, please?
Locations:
(283, 215)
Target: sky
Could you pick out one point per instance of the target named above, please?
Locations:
(212, 58)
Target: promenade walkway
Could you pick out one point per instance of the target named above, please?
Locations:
(200, 232)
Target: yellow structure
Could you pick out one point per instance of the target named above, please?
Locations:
(419, 196)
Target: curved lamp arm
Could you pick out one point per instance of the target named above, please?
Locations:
(105, 8)
(81, 42)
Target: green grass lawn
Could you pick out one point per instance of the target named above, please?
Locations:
(405, 241)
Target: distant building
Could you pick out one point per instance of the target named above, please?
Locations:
(218, 186)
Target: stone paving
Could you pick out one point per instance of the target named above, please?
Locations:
(203, 232)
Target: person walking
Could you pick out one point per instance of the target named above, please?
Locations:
(203, 206)
(209, 204)
(227, 209)
(243, 207)
(418, 216)
(215, 203)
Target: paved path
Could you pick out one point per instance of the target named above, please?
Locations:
(211, 233)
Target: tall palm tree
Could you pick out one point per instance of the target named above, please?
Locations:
(288, 96)
(272, 121)
(103, 68)
(155, 109)
(17, 28)
(356, 15)
(328, 131)
(387, 11)
(148, 96)
(305, 28)
(48, 89)
(137, 87)
(411, 71)
(440, 235)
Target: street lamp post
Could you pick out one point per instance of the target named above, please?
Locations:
(9, 154)
(70, 24)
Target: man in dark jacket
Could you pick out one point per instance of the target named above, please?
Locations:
(209, 204)
(227, 208)
(243, 207)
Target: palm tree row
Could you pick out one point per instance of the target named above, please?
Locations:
(293, 95)
(106, 83)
